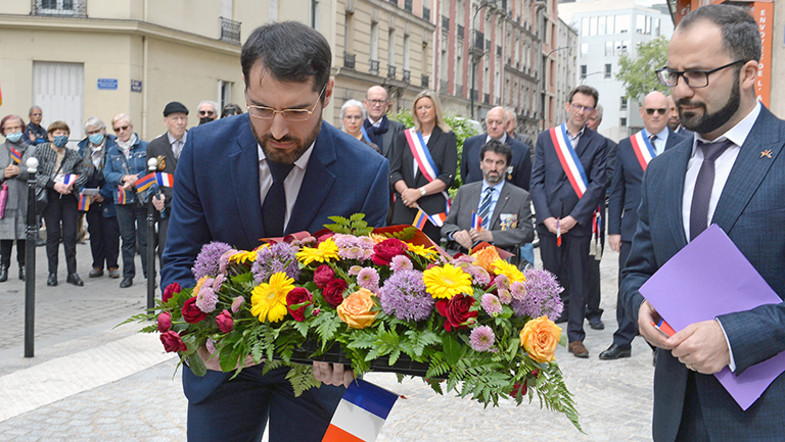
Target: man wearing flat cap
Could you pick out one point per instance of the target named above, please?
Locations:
(166, 150)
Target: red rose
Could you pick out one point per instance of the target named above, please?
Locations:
(323, 275)
(385, 251)
(519, 389)
(191, 313)
(224, 321)
(299, 298)
(456, 311)
(170, 290)
(164, 322)
(172, 342)
(333, 293)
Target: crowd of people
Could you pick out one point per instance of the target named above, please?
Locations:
(96, 181)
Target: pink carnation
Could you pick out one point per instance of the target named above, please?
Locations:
(482, 338)
(238, 301)
(491, 304)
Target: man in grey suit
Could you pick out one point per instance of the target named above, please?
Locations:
(380, 130)
(508, 219)
(732, 173)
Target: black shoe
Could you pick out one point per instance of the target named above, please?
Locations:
(51, 281)
(126, 282)
(95, 273)
(74, 279)
(596, 323)
(40, 242)
(22, 273)
(616, 352)
(3, 273)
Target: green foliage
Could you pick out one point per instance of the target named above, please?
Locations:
(637, 73)
(354, 225)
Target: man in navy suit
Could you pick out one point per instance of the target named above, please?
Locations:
(568, 180)
(625, 192)
(229, 187)
(712, 69)
(518, 171)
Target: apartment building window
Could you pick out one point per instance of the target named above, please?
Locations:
(622, 24)
(584, 70)
(608, 48)
(374, 50)
(224, 92)
(406, 67)
(75, 8)
(601, 26)
(391, 52)
(607, 70)
(315, 14)
(610, 25)
(585, 27)
(623, 103)
(584, 48)
(623, 121)
(349, 57)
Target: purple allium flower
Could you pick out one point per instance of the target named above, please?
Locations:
(368, 278)
(355, 270)
(208, 260)
(401, 263)
(206, 299)
(491, 304)
(238, 301)
(518, 290)
(279, 257)
(482, 338)
(404, 296)
(542, 296)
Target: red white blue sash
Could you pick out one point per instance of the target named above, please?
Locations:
(569, 159)
(643, 148)
(365, 134)
(425, 163)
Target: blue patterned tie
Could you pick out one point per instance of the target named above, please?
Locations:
(485, 206)
(699, 209)
(274, 207)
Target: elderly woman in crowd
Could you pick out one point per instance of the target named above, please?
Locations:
(59, 173)
(352, 117)
(126, 162)
(423, 165)
(13, 223)
(230, 110)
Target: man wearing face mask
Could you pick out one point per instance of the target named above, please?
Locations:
(207, 111)
(101, 216)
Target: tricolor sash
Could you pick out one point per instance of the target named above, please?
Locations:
(569, 159)
(365, 134)
(425, 162)
(644, 150)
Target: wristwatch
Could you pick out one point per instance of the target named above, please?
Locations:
(422, 191)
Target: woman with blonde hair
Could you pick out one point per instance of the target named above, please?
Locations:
(423, 165)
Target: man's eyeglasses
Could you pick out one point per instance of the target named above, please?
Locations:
(660, 111)
(376, 102)
(694, 79)
(578, 108)
(123, 128)
(268, 113)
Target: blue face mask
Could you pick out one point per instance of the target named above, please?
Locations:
(60, 141)
(14, 137)
(96, 139)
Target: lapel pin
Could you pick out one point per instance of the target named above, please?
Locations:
(766, 153)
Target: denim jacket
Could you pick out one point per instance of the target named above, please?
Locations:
(117, 166)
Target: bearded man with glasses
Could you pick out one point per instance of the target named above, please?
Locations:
(275, 170)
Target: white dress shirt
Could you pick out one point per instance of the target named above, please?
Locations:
(291, 184)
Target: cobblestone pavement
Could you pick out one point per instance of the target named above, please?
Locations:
(79, 387)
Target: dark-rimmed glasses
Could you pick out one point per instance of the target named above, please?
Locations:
(268, 113)
(694, 78)
(660, 111)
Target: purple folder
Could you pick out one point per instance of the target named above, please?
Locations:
(708, 278)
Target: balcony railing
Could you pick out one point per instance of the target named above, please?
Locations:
(59, 8)
(374, 67)
(407, 76)
(390, 71)
(230, 30)
(349, 60)
(424, 81)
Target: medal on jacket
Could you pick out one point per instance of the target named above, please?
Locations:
(161, 162)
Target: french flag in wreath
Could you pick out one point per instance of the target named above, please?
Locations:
(644, 150)
(569, 159)
(361, 413)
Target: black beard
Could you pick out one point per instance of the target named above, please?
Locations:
(286, 157)
(708, 123)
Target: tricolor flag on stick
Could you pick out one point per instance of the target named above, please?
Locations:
(16, 156)
(476, 222)
(164, 179)
(121, 198)
(145, 182)
(438, 219)
(69, 178)
(84, 203)
(558, 233)
(420, 219)
(361, 413)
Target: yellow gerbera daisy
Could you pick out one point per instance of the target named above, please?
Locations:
(326, 251)
(447, 281)
(422, 250)
(268, 300)
(502, 267)
(243, 257)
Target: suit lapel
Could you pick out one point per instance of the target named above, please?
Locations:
(244, 167)
(317, 183)
(674, 179)
(748, 170)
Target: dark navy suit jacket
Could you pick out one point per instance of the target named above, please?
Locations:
(751, 210)
(217, 198)
(521, 161)
(625, 190)
(551, 191)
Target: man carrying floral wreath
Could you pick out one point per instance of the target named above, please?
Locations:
(277, 170)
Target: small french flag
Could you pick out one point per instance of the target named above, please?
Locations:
(361, 413)
(476, 222)
(420, 219)
(164, 179)
(438, 219)
(69, 178)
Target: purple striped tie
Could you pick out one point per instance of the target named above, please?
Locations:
(699, 210)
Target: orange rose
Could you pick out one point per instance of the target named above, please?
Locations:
(355, 310)
(539, 338)
(485, 258)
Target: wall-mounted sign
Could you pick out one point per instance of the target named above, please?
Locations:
(136, 85)
(107, 84)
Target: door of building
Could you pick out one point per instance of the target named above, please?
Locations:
(58, 88)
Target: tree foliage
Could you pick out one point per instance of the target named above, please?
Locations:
(637, 72)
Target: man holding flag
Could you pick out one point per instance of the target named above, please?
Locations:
(568, 180)
(492, 210)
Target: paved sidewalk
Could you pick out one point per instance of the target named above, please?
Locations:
(90, 381)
